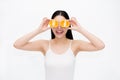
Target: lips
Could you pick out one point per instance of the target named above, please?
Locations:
(59, 31)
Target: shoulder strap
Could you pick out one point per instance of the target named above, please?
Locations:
(70, 44)
(49, 45)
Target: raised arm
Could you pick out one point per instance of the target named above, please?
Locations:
(94, 42)
(24, 42)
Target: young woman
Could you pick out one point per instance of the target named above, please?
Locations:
(61, 50)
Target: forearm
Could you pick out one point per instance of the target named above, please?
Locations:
(95, 41)
(26, 38)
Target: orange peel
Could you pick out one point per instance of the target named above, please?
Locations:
(63, 23)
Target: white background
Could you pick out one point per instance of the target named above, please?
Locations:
(100, 17)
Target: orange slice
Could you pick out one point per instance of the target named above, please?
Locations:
(53, 23)
(65, 23)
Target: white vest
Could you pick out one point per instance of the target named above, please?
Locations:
(59, 66)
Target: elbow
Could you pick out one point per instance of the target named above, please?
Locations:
(16, 45)
(101, 46)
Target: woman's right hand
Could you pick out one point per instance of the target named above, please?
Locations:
(44, 25)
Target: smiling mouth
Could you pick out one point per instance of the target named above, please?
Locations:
(59, 31)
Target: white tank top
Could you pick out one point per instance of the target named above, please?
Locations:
(59, 66)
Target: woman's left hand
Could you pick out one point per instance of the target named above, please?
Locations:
(74, 24)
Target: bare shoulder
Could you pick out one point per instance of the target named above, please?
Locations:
(43, 43)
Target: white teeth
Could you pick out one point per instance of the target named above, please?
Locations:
(59, 31)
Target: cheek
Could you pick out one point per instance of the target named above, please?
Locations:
(65, 30)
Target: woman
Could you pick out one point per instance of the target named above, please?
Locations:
(61, 50)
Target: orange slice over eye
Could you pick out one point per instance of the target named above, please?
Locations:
(65, 23)
(53, 23)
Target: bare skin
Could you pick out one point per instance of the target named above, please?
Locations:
(60, 43)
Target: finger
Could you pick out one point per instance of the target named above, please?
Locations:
(74, 19)
(45, 18)
(46, 22)
(73, 22)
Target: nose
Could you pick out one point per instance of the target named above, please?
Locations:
(59, 27)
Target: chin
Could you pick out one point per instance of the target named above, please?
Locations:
(59, 36)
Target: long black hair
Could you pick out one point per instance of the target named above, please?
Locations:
(64, 14)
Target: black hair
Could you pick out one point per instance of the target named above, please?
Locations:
(64, 14)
